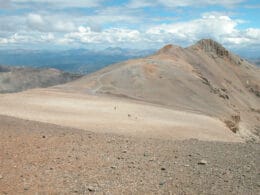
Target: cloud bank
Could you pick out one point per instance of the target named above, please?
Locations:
(87, 23)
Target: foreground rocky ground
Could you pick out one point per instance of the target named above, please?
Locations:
(42, 158)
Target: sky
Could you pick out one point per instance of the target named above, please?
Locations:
(140, 24)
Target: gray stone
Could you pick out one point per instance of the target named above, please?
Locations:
(162, 183)
(91, 189)
(202, 162)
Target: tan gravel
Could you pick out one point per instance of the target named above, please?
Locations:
(40, 158)
(116, 115)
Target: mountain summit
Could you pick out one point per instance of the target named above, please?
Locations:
(170, 49)
(216, 50)
(209, 45)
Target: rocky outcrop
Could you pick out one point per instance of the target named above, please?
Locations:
(209, 45)
(233, 123)
(216, 50)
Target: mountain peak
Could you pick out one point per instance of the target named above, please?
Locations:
(169, 49)
(209, 45)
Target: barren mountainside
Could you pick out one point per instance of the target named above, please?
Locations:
(15, 79)
(182, 121)
(204, 78)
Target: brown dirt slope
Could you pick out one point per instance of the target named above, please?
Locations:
(204, 78)
(110, 114)
(40, 158)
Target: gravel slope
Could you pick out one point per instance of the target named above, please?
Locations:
(113, 115)
(43, 158)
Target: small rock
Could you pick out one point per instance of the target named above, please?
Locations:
(202, 162)
(129, 115)
(124, 151)
(1, 177)
(146, 154)
(91, 189)
(162, 183)
(113, 167)
(163, 168)
(186, 165)
(43, 136)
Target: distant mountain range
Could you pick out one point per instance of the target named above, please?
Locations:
(77, 60)
(256, 61)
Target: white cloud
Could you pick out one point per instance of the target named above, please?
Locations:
(253, 33)
(58, 30)
(35, 20)
(61, 3)
(28, 38)
(49, 37)
(11, 23)
(213, 26)
(182, 3)
(3, 41)
(117, 14)
(112, 35)
(140, 4)
(131, 3)
(5, 3)
(219, 27)
(49, 23)
(250, 36)
(16, 38)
